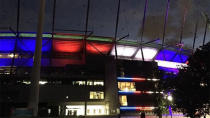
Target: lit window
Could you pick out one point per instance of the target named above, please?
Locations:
(75, 110)
(126, 86)
(123, 100)
(90, 82)
(96, 110)
(96, 95)
(80, 83)
(98, 83)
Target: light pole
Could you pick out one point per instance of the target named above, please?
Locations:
(34, 90)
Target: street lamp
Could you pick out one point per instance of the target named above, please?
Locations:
(170, 98)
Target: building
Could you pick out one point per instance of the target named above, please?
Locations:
(79, 76)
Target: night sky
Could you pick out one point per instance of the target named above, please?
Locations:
(71, 14)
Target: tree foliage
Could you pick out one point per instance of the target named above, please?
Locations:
(191, 87)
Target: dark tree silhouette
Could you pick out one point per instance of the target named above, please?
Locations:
(191, 87)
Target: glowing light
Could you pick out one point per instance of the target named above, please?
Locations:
(70, 109)
(43, 82)
(96, 110)
(149, 54)
(169, 64)
(137, 108)
(11, 55)
(96, 47)
(149, 92)
(124, 51)
(40, 82)
(172, 56)
(26, 82)
(28, 45)
(153, 80)
(8, 55)
(130, 79)
(171, 70)
(170, 98)
(129, 92)
(7, 45)
(67, 46)
(138, 79)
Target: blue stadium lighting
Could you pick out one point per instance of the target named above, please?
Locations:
(5, 62)
(173, 56)
(171, 70)
(28, 45)
(7, 45)
(24, 62)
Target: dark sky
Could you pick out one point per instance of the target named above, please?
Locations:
(71, 14)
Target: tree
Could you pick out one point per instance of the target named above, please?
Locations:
(191, 87)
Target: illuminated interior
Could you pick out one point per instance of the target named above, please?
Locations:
(126, 86)
(96, 110)
(75, 110)
(123, 100)
(96, 95)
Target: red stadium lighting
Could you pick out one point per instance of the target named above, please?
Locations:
(67, 46)
(96, 48)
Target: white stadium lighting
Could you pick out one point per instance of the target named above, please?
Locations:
(124, 51)
(149, 54)
(169, 64)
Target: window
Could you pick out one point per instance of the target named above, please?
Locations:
(80, 83)
(98, 83)
(75, 110)
(89, 82)
(123, 100)
(127, 86)
(96, 95)
(96, 110)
